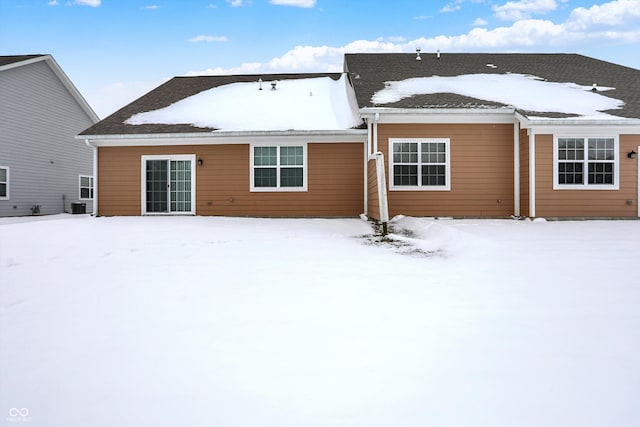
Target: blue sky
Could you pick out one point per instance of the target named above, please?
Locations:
(116, 50)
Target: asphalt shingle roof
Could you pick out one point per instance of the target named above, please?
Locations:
(173, 91)
(369, 72)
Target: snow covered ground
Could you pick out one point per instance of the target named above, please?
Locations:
(201, 321)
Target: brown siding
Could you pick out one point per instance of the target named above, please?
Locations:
(524, 173)
(586, 203)
(335, 181)
(481, 171)
(373, 201)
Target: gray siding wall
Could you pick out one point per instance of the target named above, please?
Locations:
(39, 119)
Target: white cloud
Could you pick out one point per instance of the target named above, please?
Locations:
(92, 3)
(479, 22)
(203, 38)
(152, 7)
(211, 6)
(450, 8)
(238, 3)
(524, 9)
(421, 17)
(53, 3)
(525, 35)
(296, 3)
(616, 13)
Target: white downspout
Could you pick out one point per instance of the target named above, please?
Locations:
(376, 118)
(516, 169)
(367, 149)
(532, 173)
(95, 177)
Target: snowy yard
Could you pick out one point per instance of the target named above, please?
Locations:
(201, 321)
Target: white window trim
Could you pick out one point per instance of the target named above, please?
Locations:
(80, 187)
(8, 196)
(278, 189)
(420, 187)
(143, 178)
(586, 185)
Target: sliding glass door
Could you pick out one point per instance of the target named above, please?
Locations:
(168, 184)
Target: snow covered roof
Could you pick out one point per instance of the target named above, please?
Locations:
(538, 85)
(317, 103)
(304, 102)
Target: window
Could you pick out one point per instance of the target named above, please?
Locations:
(4, 183)
(279, 168)
(86, 187)
(419, 164)
(586, 163)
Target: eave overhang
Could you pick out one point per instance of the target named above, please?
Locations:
(438, 115)
(225, 137)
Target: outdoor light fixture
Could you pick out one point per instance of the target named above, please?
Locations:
(200, 161)
(631, 154)
(418, 58)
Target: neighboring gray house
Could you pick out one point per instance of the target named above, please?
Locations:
(43, 168)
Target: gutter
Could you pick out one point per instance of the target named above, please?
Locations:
(227, 134)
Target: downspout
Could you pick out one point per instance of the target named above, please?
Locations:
(516, 169)
(367, 149)
(532, 173)
(95, 177)
(381, 179)
(376, 118)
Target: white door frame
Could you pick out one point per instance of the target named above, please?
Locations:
(143, 177)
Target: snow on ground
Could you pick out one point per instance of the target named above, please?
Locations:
(525, 92)
(297, 104)
(166, 321)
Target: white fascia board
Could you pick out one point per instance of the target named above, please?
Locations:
(439, 115)
(222, 138)
(586, 129)
(583, 126)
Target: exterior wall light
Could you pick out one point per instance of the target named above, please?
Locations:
(200, 161)
(632, 154)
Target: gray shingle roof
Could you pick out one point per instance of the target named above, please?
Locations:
(173, 91)
(369, 72)
(11, 59)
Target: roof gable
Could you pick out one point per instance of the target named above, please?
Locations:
(9, 62)
(15, 60)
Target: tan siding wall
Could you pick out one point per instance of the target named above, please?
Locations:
(373, 201)
(586, 203)
(481, 171)
(335, 184)
(524, 173)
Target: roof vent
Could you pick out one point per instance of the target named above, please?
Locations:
(594, 88)
(259, 84)
(274, 84)
(418, 58)
(438, 53)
